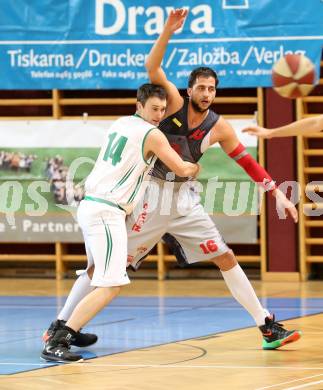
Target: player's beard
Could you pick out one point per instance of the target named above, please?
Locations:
(197, 108)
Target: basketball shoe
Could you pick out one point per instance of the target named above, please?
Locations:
(275, 336)
(57, 348)
(78, 340)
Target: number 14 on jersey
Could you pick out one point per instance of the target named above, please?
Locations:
(115, 148)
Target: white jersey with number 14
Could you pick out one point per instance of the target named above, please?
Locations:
(121, 168)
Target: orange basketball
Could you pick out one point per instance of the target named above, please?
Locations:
(293, 76)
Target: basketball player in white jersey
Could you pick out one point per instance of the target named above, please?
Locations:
(112, 189)
(300, 127)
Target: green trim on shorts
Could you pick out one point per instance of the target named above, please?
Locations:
(109, 246)
(92, 198)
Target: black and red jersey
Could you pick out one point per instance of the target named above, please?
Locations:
(186, 142)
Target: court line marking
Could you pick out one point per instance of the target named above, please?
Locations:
(303, 386)
(212, 366)
(287, 383)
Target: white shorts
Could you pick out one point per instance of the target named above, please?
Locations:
(184, 218)
(105, 238)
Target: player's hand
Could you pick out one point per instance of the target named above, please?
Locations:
(258, 131)
(284, 206)
(198, 170)
(176, 19)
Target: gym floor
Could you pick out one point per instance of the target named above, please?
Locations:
(188, 334)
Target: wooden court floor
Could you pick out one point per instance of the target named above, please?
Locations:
(232, 360)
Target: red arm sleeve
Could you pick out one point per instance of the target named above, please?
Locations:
(253, 169)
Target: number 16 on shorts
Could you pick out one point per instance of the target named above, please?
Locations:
(208, 246)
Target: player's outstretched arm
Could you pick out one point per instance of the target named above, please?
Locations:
(174, 21)
(225, 135)
(232, 146)
(154, 60)
(157, 143)
(301, 127)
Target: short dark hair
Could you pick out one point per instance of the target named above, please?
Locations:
(204, 72)
(147, 91)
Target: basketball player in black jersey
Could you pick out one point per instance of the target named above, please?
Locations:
(191, 127)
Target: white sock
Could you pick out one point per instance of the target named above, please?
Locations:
(242, 290)
(80, 289)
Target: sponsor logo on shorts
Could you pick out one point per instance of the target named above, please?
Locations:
(141, 219)
(141, 249)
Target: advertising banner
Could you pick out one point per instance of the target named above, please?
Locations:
(43, 166)
(103, 44)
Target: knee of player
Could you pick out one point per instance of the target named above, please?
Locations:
(115, 290)
(226, 261)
